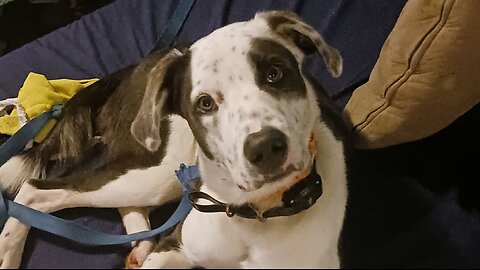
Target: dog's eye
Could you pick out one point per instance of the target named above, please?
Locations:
(206, 104)
(274, 73)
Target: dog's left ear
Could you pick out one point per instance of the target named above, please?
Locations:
(292, 28)
(145, 127)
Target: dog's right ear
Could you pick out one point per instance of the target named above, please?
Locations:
(291, 27)
(146, 126)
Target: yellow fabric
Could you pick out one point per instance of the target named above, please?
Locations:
(39, 95)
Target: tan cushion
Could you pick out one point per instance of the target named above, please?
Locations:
(427, 74)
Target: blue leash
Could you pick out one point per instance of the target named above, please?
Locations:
(84, 235)
(16, 143)
(171, 30)
(68, 229)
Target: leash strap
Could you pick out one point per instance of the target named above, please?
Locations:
(17, 142)
(171, 30)
(68, 229)
(84, 235)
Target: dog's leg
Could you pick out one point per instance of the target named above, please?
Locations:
(137, 220)
(168, 253)
(12, 241)
(14, 234)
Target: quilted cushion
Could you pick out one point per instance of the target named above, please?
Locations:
(427, 75)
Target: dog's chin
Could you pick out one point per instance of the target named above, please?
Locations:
(281, 178)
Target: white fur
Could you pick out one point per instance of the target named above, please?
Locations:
(14, 172)
(137, 220)
(166, 260)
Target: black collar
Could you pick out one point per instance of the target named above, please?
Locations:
(299, 197)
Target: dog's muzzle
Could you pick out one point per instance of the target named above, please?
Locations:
(304, 191)
(266, 150)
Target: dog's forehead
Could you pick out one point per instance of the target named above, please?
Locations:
(235, 34)
(222, 56)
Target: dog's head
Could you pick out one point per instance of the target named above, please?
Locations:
(243, 93)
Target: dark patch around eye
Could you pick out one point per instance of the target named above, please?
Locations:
(267, 53)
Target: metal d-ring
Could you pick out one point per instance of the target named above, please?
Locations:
(229, 211)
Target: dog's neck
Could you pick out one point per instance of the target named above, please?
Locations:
(216, 181)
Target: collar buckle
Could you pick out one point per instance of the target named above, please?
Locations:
(229, 211)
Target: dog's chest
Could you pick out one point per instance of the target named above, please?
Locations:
(249, 242)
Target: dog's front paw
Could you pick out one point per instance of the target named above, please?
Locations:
(166, 259)
(139, 254)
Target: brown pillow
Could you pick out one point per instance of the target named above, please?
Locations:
(427, 74)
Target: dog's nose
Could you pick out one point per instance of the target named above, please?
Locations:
(266, 149)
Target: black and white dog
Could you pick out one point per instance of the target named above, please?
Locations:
(237, 103)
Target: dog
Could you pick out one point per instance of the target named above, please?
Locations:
(237, 103)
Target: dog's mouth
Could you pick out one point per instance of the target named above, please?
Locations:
(292, 171)
(288, 171)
